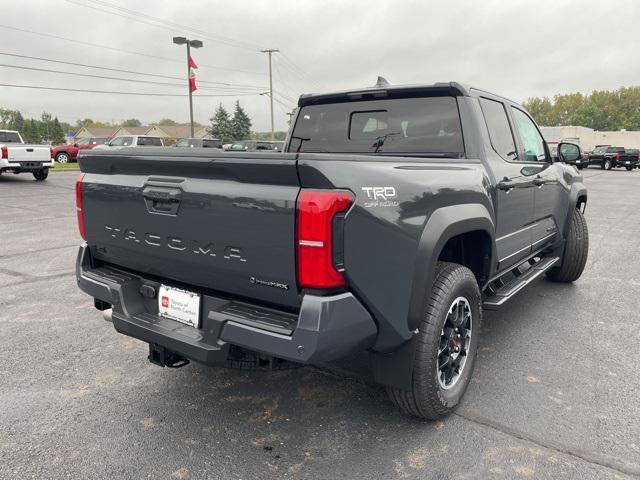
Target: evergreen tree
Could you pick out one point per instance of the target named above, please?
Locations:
(57, 134)
(240, 124)
(221, 126)
(31, 132)
(17, 123)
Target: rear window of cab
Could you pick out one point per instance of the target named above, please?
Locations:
(427, 125)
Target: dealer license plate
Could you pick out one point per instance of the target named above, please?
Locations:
(179, 305)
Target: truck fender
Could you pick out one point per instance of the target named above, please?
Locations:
(578, 192)
(396, 368)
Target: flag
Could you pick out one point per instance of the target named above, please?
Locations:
(192, 75)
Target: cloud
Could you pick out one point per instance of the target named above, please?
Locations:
(517, 48)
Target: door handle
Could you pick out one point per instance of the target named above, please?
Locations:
(164, 200)
(505, 186)
(538, 182)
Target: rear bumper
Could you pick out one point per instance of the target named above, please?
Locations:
(26, 166)
(326, 328)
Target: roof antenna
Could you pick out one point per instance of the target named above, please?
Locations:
(382, 83)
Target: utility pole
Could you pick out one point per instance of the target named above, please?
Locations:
(189, 44)
(271, 51)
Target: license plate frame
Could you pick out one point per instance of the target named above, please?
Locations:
(179, 305)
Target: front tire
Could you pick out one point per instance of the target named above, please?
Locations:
(629, 169)
(444, 357)
(576, 250)
(41, 175)
(606, 165)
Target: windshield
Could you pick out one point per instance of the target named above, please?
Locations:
(428, 125)
(10, 137)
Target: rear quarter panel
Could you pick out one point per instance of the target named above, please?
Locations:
(385, 234)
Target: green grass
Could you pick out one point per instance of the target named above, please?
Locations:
(65, 166)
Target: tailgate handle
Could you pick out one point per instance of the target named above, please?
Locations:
(29, 149)
(165, 200)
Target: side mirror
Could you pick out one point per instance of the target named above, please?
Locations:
(75, 144)
(569, 152)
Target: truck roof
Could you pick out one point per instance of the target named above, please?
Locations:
(382, 89)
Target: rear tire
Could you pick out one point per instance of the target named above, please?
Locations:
(41, 175)
(576, 250)
(434, 394)
(63, 157)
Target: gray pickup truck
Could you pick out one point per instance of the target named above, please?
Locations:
(396, 215)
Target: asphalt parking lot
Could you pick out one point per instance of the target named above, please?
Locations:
(555, 393)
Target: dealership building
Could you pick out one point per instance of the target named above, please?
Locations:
(589, 138)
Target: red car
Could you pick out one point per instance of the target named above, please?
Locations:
(68, 153)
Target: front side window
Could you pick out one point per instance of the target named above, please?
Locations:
(118, 142)
(183, 142)
(425, 125)
(533, 142)
(499, 130)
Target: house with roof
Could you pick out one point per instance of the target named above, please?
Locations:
(89, 132)
(132, 131)
(171, 133)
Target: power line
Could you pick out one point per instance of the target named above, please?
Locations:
(298, 70)
(130, 52)
(62, 62)
(213, 37)
(38, 87)
(160, 23)
(151, 82)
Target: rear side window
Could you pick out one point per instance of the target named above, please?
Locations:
(149, 142)
(499, 130)
(428, 125)
(211, 143)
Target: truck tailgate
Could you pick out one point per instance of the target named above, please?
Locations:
(223, 222)
(28, 153)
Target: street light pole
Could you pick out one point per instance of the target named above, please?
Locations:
(189, 44)
(271, 51)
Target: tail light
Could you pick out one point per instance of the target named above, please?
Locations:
(50, 152)
(5, 152)
(318, 221)
(79, 210)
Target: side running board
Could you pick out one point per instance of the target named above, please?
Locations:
(499, 295)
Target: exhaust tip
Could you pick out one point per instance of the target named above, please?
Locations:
(106, 314)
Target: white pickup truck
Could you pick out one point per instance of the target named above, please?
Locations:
(18, 157)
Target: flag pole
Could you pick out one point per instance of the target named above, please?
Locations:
(189, 87)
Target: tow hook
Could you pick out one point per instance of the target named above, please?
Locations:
(158, 355)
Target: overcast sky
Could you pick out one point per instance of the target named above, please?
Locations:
(516, 48)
